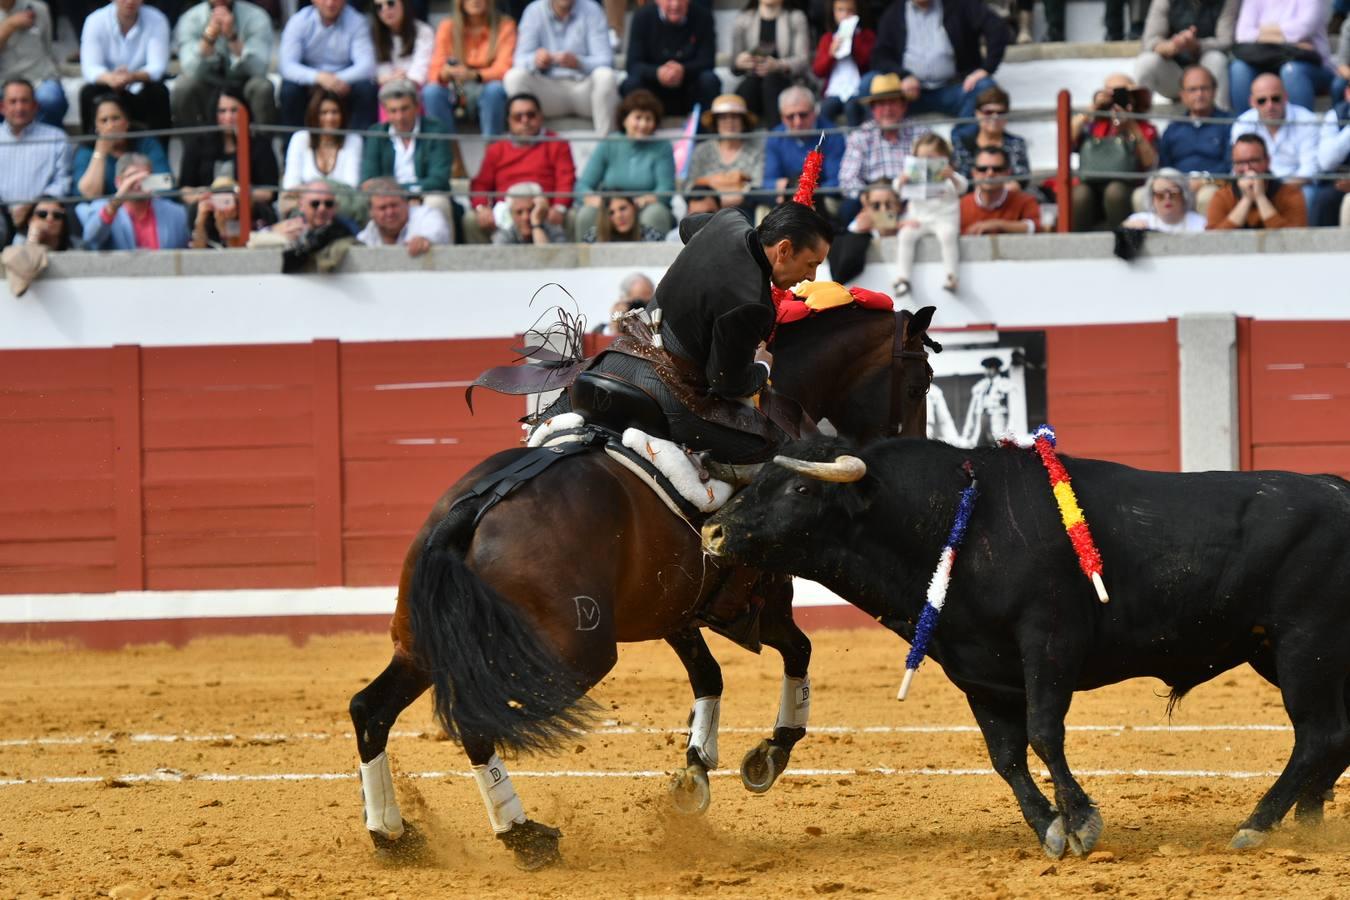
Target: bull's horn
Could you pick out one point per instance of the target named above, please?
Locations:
(844, 468)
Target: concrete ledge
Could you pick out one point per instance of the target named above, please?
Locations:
(1010, 247)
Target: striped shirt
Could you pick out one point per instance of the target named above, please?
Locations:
(33, 163)
(869, 157)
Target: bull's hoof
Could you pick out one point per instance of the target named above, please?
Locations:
(1054, 841)
(762, 765)
(689, 791)
(535, 845)
(1246, 839)
(410, 846)
(1083, 838)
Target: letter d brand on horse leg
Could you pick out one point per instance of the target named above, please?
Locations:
(504, 808)
(588, 613)
(794, 704)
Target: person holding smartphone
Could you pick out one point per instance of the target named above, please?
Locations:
(132, 218)
(1111, 141)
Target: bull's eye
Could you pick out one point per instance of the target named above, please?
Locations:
(799, 488)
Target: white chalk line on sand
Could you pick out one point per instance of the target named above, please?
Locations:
(174, 776)
(266, 738)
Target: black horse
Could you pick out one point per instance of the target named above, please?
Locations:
(513, 616)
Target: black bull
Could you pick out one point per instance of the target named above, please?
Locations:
(1206, 571)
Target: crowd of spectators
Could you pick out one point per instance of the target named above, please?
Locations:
(1244, 149)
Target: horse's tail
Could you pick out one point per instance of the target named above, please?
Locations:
(494, 676)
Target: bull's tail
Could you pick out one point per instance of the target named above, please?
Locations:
(493, 675)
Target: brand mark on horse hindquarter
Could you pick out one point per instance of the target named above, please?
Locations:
(588, 613)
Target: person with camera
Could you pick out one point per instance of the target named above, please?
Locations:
(216, 224)
(132, 218)
(771, 48)
(635, 292)
(1254, 199)
(529, 212)
(1112, 143)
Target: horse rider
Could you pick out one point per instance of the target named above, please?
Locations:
(703, 360)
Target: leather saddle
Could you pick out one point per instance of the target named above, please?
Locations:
(617, 405)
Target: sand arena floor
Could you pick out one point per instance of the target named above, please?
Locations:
(161, 772)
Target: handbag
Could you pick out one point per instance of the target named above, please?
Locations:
(1269, 57)
(1107, 155)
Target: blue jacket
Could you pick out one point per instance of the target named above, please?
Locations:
(784, 156)
(170, 222)
(1197, 148)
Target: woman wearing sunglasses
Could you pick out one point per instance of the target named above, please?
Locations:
(402, 43)
(48, 226)
(474, 47)
(1168, 205)
(991, 109)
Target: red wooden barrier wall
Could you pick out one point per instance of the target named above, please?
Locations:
(313, 464)
(1295, 396)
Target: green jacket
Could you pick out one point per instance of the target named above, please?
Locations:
(431, 158)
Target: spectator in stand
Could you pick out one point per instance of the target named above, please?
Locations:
(420, 165)
(1292, 39)
(216, 221)
(1200, 149)
(131, 219)
(731, 164)
(545, 163)
(1290, 132)
(877, 150)
(474, 48)
(1252, 199)
(879, 214)
(697, 202)
(620, 224)
(403, 44)
(635, 292)
(1169, 207)
(528, 211)
(48, 225)
(396, 222)
(944, 68)
(26, 52)
(124, 48)
(633, 164)
(996, 206)
(327, 46)
(1111, 142)
(563, 57)
(1184, 34)
(1331, 201)
(34, 158)
(671, 52)
(311, 156)
(842, 57)
(771, 48)
(207, 157)
(784, 155)
(95, 163)
(223, 45)
(316, 211)
(937, 212)
(991, 109)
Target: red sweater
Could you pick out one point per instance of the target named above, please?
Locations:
(864, 39)
(507, 163)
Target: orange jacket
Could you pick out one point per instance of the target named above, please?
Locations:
(475, 50)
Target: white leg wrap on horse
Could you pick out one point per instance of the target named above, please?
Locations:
(377, 787)
(703, 722)
(794, 704)
(504, 808)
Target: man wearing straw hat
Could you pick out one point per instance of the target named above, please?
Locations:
(877, 150)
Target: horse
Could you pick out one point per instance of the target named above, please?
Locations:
(494, 612)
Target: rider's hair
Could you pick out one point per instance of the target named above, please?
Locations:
(801, 225)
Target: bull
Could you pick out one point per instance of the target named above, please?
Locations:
(1206, 571)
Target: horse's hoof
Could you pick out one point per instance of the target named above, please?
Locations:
(689, 791)
(1054, 842)
(535, 845)
(1246, 839)
(407, 847)
(1083, 838)
(762, 765)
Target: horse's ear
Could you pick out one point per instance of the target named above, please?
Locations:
(922, 319)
